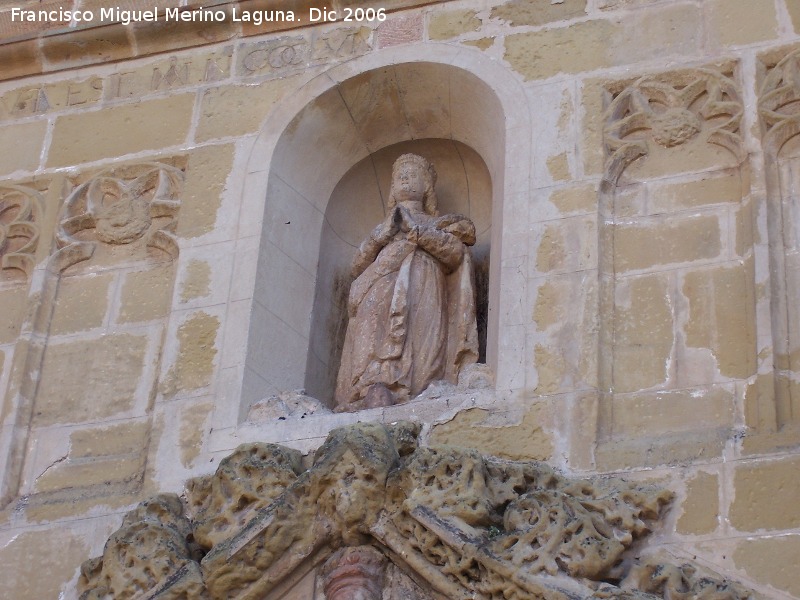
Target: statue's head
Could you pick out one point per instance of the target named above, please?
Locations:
(413, 179)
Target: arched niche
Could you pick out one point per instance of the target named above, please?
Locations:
(416, 98)
(356, 205)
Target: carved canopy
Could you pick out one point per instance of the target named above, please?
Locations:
(460, 524)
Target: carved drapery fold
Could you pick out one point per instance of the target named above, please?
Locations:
(20, 216)
(467, 525)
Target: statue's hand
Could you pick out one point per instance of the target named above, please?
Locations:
(385, 231)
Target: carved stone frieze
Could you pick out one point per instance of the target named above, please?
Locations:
(20, 217)
(461, 524)
(135, 206)
(671, 111)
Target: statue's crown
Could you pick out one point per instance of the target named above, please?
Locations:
(417, 161)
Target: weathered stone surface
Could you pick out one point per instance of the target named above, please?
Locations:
(193, 429)
(675, 240)
(701, 507)
(194, 364)
(354, 573)
(197, 281)
(125, 438)
(590, 45)
(251, 104)
(42, 99)
(23, 556)
(764, 494)
(685, 581)
(770, 561)
(521, 12)
(12, 305)
(81, 304)
(450, 24)
(724, 188)
(520, 439)
(146, 295)
(206, 175)
(150, 550)
(643, 325)
(26, 139)
(64, 396)
(582, 199)
(721, 317)
(738, 22)
(120, 130)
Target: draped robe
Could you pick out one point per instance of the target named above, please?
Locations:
(412, 311)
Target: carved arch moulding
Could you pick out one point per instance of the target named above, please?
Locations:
(119, 221)
(457, 524)
(779, 109)
(668, 138)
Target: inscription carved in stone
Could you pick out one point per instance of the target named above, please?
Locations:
(134, 205)
(20, 214)
(465, 525)
(672, 112)
(412, 303)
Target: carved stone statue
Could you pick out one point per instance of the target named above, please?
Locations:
(412, 302)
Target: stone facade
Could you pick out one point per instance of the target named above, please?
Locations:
(179, 205)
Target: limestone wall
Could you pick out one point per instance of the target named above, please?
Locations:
(174, 217)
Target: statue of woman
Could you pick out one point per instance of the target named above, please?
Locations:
(412, 301)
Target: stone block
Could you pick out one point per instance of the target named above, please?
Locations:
(20, 59)
(771, 561)
(193, 429)
(596, 44)
(722, 316)
(68, 475)
(146, 295)
(701, 506)
(197, 281)
(524, 12)
(765, 495)
(162, 35)
(239, 110)
(113, 364)
(667, 240)
(169, 74)
(86, 46)
(128, 437)
(26, 139)
(572, 200)
(739, 22)
(653, 414)
(194, 364)
(206, 174)
(713, 188)
(567, 245)
(401, 29)
(681, 448)
(515, 437)
(643, 333)
(25, 556)
(12, 306)
(446, 25)
(120, 130)
(81, 303)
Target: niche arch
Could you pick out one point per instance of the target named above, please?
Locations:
(356, 112)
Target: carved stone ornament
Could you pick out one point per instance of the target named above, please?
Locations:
(135, 205)
(779, 97)
(411, 306)
(671, 112)
(463, 525)
(20, 215)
